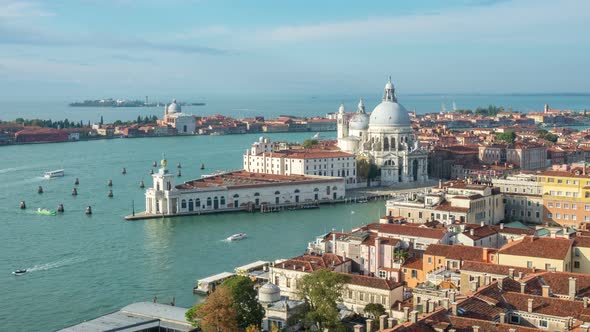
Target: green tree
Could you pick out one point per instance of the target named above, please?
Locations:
(309, 143)
(400, 255)
(374, 310)
(248, 309)
(216, 314)
(544, 134)
(366, 170)
(507, 137)
(252, 328)
(321, 291)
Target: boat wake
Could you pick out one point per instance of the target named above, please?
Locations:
(56, 264)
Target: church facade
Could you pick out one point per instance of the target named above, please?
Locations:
(384, 137)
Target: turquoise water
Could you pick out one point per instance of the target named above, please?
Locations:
(272, 106)
(84, 266)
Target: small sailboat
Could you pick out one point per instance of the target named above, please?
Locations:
(45, 212)
(19, 272)
(237, 237)
(317, 136)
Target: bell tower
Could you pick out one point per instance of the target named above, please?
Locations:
(342, 123)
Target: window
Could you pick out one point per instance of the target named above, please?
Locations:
(576, 265)
(288, 282)
(574, 206)
(529, 264)
(558, 205)
(566, 206)
(429, 260)
(550, 204)
(382, 274)
(558, 216)
(587, 207)
(542, 323)
(514, 319)
(549, 215)
(414, 274)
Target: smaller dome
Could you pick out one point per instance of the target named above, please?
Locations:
(174, 107)
(269, 293)
(360, 121)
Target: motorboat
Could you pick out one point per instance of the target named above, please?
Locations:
(54, 174)
(19, 272)
(237, 237)
(45, 212)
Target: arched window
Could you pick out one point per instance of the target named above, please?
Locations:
(198, 203)
(236, 196)
(334, 188)
(255, 194)
(316, 189)
(208, 201)
(277, 192)
(222, 200)
(385, 143)
(296, 191)
(183, 204)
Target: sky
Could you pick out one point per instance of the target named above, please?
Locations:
(133, 48)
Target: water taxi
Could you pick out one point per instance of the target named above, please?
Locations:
(45, 212)
(237, 237)
(54, 174)
(19, 272)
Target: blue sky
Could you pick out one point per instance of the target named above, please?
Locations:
(93, 48)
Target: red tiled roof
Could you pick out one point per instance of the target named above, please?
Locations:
(373, 282)
(490, 268)
(310, 263)
(458, 252)
(414, 263)
(551, 248)
(547, 305)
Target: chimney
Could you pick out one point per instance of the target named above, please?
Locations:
(303, 268)
(486, 279)
(358, 328)
(511, 273)
(475, 328)
(454, 308)
(530, 305)
(522, 287)
(485, 255)
(502, 318)
(382, 319)
(471, 232)
(430, 304)
(390, 321)
(545, 290)
(414, 316)
(553, 233)
(452, 296)
(565, 234)
(519, 275)
(482, 224)
(369, 325)
(445, 303)
(406, 314)
(500, 281)
(572, 288)
(501, 225)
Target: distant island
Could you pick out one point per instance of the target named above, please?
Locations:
(110, 102)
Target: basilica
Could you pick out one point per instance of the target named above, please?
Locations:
(385, 137)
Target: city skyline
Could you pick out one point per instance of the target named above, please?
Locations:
(183, 47)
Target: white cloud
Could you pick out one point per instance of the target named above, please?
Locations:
(22, 9)
(516, 20)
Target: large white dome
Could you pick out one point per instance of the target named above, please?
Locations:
(174, 107)
(359, 121)
(390, 114)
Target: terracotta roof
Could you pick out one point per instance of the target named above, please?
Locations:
(582, 241)
(466, 324)
(559, 283)
(414, 263)
(407, 230)
(547, 305)
(373, 282)
(458, 252)
(480, 232)
(310, 263)
(496, 269)
(551, 248)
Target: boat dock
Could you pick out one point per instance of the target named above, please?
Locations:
(257, 271)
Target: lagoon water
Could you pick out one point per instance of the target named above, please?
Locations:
(84, 266)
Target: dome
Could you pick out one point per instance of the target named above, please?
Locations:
(269, 293)
(390, 114)
(359, 121)
(174, 107)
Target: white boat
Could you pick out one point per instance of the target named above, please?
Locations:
(19, 272)
(317, 136)
(237, 237)
(54, 174)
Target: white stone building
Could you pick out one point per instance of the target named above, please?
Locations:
(264, 157)
(386, 138)
(183, 123)
(523, 197)
(235, 191)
